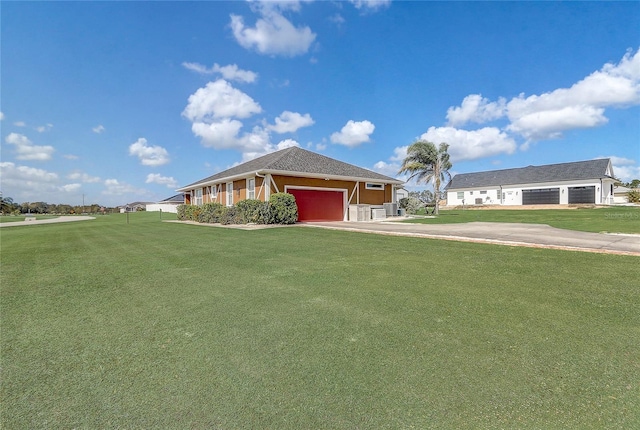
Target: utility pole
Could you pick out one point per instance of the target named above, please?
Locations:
(83, 203)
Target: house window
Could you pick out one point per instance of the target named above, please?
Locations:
(251, 188)
(199, 196)
(214, 192)
(499, 194)
(229, 193)
(372, 186)
(483, 192)
(460, 195)
(470, 193)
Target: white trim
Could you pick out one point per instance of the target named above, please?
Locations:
(345, 205)
(254, 188)
(374, 186)
(229, 193)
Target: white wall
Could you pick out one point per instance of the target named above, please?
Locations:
(166, 207)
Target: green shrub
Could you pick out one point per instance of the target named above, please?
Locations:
(211, 213)
(282, 209)
(188, 212)
(410, 204)
(633, 196)
(251, 211)
(231, 215)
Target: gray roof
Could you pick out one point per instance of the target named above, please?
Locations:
(579, 170)
(178, 198)
(294, 161)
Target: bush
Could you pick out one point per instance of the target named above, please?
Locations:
(211, 213)
(188, 212)
(251, 211)
(282, 209)
(633, 196)
(410, 204)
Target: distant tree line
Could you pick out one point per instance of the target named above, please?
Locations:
(9, 207)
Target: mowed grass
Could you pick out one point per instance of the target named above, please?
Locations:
(161, 325)
(614, 219)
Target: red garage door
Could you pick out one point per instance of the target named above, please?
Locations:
(318, 205)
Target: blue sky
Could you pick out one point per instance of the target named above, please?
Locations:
(126, 101)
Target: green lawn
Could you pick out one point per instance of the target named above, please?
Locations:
(16, 218)
(619, 219)
(106, 324)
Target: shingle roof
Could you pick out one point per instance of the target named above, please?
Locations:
(178, 198)
(591, 169)
(297, 160)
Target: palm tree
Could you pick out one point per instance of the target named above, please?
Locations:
(426, 163)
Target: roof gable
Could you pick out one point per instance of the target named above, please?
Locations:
(579, 170)
(296, 160)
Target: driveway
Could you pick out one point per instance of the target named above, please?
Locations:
(47, 221)
(512, 234)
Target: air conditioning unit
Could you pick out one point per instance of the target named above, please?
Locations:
(359, 212)
(391, 209)
(378, 213)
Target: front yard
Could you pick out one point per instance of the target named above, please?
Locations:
(160, 325)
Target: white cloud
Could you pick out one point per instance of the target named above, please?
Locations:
(470, 145)
(71, 157)
(273, 34)
(389, 169)
(1, 116)
(337, 19)
(25, 150)
(219, 99)
(548, 115)
(230, 72)
(44, 128)
(353, 133)
(149, 155)
(20, 124)
(624, 169)
(23, 175)
(549, 124)
(476, 109)
(115, 188)
(156, 178)
(99, 129)
(370, 4)
(83, 177)
(71, 188)
(290, 122)
(220, 134)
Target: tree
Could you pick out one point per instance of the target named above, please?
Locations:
(6, 204)
(429, 164)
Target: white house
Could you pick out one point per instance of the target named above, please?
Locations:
(589, 181)
(167, 205)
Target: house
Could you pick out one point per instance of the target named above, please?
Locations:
(621, 194)
(167, 205)
(133, 207)
(589, 181)
(324, 188)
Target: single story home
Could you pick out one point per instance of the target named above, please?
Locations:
(324, 188)
(621, 194)
(589, 181)
(167, 205)
(133, 207)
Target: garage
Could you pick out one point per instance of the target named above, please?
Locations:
(318, 205)
(582, 195)
(541, 196)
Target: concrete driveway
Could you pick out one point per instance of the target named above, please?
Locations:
(512, 234)
(37, 221)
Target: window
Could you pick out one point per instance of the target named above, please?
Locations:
(251, 188)
(214, 192)
(199, 196)
(229, 193)
(470, 193)
(460, 195)
(499, 193)
(483, 192)
(372, 186)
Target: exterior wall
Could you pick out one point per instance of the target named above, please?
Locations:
(164, 207)
(264, 188)
(361, 196)
(512, 194)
